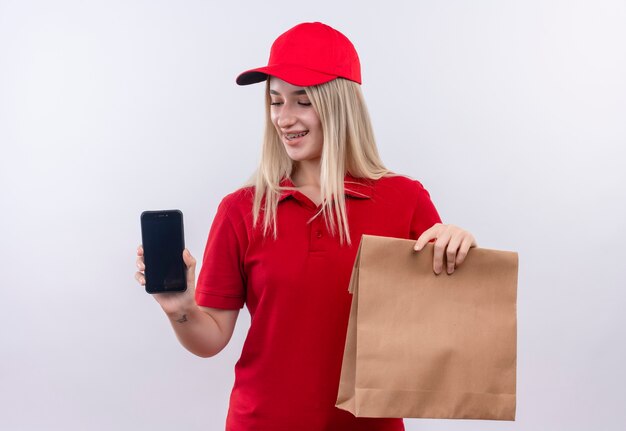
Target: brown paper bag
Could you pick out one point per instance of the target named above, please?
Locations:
(422, 345)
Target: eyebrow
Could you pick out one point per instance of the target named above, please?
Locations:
(297, 92)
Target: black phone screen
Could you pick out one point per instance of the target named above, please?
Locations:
(163, 244)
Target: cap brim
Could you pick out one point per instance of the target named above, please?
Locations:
(295, 75)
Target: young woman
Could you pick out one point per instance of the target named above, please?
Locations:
(284, 245)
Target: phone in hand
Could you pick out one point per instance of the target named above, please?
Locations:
(163, 244)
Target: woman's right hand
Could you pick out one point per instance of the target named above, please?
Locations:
(172, 302)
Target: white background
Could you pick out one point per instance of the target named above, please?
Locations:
(511, 113)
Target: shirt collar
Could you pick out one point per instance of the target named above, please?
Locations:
(360, 188)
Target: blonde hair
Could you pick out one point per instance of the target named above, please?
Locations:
(349, 147)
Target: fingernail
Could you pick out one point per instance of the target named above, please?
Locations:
(418, 247)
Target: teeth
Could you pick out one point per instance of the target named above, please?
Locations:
(291, 136)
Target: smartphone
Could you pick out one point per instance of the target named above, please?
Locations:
(163, 244)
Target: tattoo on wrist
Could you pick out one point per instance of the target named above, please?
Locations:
(182, 319)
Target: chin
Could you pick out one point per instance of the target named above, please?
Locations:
(302, 157)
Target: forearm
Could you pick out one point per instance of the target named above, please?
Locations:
(198, 331)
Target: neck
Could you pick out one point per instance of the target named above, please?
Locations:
(307, 173)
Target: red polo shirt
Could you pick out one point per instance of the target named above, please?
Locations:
(296, 289)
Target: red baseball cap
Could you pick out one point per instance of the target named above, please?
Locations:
(310, 53)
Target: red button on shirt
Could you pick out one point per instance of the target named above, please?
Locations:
(296, 289)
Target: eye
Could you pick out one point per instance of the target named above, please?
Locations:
(304, 103)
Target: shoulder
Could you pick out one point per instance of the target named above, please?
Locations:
(409, 194)
(237, 205)
(398, 184)
(241, 197)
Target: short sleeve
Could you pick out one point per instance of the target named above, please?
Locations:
(425, 214)
(221, 283)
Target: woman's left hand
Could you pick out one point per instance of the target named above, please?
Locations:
(449, 239)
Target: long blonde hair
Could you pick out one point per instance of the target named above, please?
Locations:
(349, 147)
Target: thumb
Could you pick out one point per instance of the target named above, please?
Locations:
(190, 261)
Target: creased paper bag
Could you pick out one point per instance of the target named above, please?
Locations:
(422, 345)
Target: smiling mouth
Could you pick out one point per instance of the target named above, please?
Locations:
(292, 136)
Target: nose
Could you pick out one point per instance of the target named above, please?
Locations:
(286, 117)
